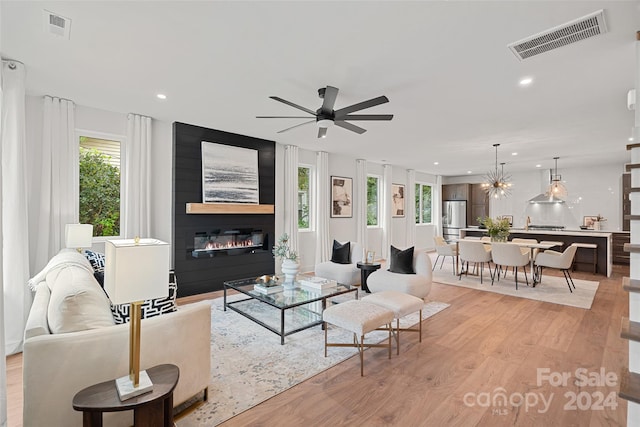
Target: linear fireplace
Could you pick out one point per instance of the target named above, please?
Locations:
(225, 242)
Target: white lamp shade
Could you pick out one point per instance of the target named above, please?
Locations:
(136, 272)
(78, 235)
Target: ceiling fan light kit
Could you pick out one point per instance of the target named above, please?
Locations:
(326, 117)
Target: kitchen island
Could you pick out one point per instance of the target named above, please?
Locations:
(583, 257)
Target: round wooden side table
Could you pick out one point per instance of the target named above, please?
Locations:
(365, 271)
(151, 409)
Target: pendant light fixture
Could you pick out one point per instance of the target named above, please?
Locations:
(556, 187)
(496, 183)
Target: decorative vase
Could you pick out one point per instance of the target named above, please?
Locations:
(290, 269)
(499, 238)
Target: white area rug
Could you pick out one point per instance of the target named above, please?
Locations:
(552, 288)
(248, 364)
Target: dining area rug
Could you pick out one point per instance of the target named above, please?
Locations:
(249, 366)
(551, 289)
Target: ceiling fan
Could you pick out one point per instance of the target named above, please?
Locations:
(326, 116)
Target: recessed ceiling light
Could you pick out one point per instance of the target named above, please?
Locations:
(630, 138)
(161, 96)
(514, 154)
(526, 81)
(538, 166)
(468, 171)
(436, 163)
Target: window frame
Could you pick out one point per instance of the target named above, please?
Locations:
(312, 182)
(419, 220)
(122, 139)
(378, 207)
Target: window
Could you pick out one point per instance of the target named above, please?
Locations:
(423, 204)
(373, 195)
(100, 184)
(304, 198)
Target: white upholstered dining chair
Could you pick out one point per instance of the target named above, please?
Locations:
(444, 249)
(559, 260)
(508, 255)
(474, 252)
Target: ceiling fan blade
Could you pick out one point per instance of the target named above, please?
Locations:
(349, 126)
(367, 117)
(284, 101)
(330, 95)
(322, 132)
(301, 124)
(283, 117)
(361, 106)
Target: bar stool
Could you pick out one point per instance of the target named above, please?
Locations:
(594, 258)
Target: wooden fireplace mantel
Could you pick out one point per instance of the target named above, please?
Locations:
(228, 208)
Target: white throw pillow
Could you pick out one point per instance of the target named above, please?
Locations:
(77, 301)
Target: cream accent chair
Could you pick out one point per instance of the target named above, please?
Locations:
(418, 285)
(475, 252)
(524, 250)
(509, 255)
(560, 260)
(347, 274)
(444, 249)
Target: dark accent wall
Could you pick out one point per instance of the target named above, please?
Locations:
(199, 275)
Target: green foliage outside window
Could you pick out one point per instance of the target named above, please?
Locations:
(372, 200)
(99, 193)
(303, 197)
(423, 204)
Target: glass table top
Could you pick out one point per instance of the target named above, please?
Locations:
(285, 298)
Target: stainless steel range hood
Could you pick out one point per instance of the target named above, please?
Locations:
(546, 198)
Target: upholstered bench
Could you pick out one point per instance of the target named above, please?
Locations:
(401, 304)
(359, 317)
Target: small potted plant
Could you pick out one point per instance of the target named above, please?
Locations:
(289, 259)
(497, 229)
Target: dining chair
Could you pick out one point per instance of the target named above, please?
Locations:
(508, 255)
(473, 251)
(559, 260)
(444, 249)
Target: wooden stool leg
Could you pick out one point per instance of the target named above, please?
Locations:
(361, 350)
(420, 326)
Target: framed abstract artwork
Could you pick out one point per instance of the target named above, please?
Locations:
(397, 191)
(341, 197)
(229, 174)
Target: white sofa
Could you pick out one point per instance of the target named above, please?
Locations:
(57, 366)
(418, 284)
(347, 274)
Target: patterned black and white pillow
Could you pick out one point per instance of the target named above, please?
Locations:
(150, 308)
(96, 259)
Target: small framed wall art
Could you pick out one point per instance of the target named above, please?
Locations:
(341, 197)
(397, 191)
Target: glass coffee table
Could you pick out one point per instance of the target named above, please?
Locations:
(303, 307)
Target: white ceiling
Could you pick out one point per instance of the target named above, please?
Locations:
(444, 65)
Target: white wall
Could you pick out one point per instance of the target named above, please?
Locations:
(592, 191)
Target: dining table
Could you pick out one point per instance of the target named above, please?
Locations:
(532, 247)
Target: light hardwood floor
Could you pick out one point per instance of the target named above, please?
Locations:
(483, 342)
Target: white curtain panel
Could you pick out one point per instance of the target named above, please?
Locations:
(291, 194)
(436, 206)
(323, 201)
(136, 185)
(410, 207)
(360, 205)
(3, 360)
(57, 203)
(387, 204)
(15, 232)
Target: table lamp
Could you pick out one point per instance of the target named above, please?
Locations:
(78, 236)
(135, 270)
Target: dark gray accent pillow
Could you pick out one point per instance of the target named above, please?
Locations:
(341, 253)
(401, 261)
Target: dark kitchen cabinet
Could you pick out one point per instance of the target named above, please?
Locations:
(479, 204)
(455, 192)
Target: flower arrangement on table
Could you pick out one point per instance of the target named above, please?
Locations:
(289, 258)
(497, 229)
(282, 249)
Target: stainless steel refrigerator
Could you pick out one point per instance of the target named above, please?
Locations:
(454, 217)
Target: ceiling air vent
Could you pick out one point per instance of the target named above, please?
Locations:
(56, 24)
(562, 35)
